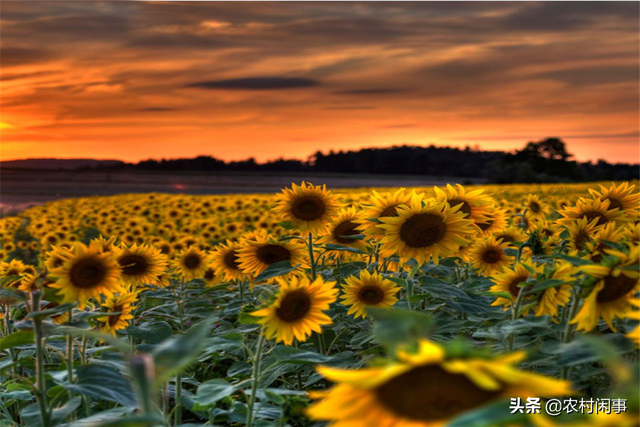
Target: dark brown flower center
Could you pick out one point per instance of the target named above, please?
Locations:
(371, 295)
(294, 306)
(507, 237)
(389, 211)
(231, 260)
(133, 265)
(581, 239)
(466, 207)
(114, 319)
(429, 393)
(514, 289)
(492, 256)
(615, 203)
(534, 207)
(87, 273)
(192, 261)
(616, 288)
(345, 228)
(484, 226)
(270, 254)
(423, 230)
(308, 208)
(209, 274)
(591, 215)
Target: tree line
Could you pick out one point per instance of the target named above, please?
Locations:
(543, 161)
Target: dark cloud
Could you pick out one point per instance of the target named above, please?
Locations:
(15, 56)
(370, 91)
(595, 75)
(257, 83)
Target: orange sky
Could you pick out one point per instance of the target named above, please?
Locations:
(130, 81)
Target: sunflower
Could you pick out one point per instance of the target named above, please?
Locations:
(27, 283)
(624, 197)
(511, 235)
(535, 207)
(591, 209)
(122, 304)
(380, 206)
(509, 281)
(342, 228)
(256, 255)
(87, 273)
(308, 207)
(140, 264)
(551, 299)
(190, 263)
(225, 260)
(425, 231)
(608, 233)
(56, 257)
(106, 244)
(580, 231)
(634, 334)
(615, 290)
(495, 223)
(298, 309)
(426, 389)
(488, 256)
(475, 205)
(368, 290)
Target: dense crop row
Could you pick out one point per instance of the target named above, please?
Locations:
(421, 307)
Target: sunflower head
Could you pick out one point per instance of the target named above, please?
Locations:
(255, 256)
(426, 230)
(120, 308)
(225, 260)
(426, 388)
(474, 205)
(298, 310)
(489, 257)
(368, 290)
(190, 263)
(381, 206)
(87, 272)
(140, 264)
(308, 207)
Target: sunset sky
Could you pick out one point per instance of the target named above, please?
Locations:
(133, 80)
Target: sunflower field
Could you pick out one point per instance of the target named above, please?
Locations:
(446, 306)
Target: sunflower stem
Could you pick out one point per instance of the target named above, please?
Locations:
(256, 373)
(70, 350)
(7, 331)
(311, 257)
(569, 328)
(177, 416)
(41, 392)
(515, 312)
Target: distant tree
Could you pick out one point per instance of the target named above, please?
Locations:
(550, 148)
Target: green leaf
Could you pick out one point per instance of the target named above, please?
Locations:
(576, 261)
(152, 332)
(344, 248)
(131, 421)
(51, 312)
(287, 225)
(489, 415)
(12, 295)
(286, 354)
(104, 383)
(276, 269)
(210, 392)
(174, 354)
(394, 327)
(62, 413)
(17, 339)
(545, 284)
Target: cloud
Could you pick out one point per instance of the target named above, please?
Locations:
(257, 83)
(156, 109)
(370, 91)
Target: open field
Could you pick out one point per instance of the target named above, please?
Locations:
(20, 188)
(403, 307)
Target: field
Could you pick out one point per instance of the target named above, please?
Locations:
(426, 306)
